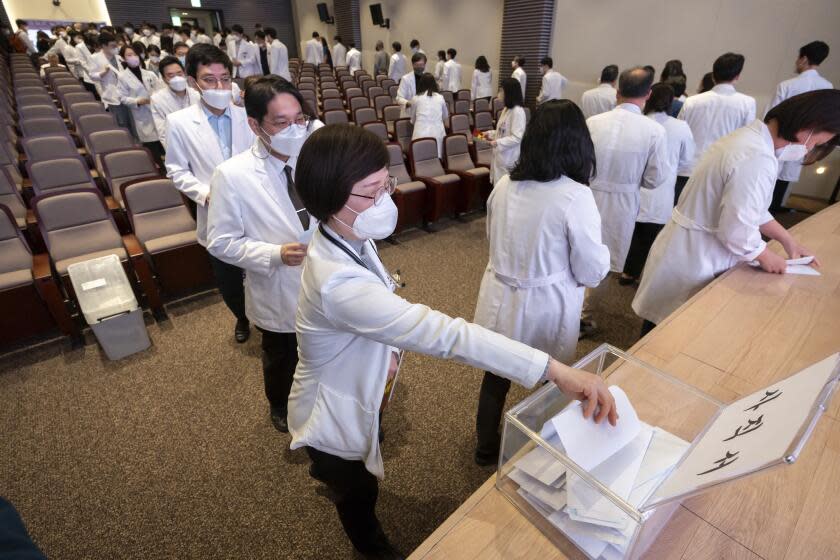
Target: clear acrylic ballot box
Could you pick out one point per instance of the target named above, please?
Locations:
(109, 306)
(677, 442)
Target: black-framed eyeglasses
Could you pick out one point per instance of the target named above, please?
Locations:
(387, 189)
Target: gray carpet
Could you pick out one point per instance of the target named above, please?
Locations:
(170, 453)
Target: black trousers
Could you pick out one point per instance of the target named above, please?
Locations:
(157, 153)
(491, 406)
(230, 281)
(678, 188)
(647, 326)
(91, 88)
(355, 493)
(779, 195)
(644, 234)
(279, 359)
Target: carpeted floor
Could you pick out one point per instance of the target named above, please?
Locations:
(170, 453)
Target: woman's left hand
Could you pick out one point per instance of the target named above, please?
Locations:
(795, 251)
(586, 387)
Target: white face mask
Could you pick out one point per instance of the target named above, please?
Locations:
(132, 61)
(793, 152)
(178, 83)
(182, 60)
(216, 98)
(129, 31)
(154, 59)
(375, 222)
(288, 141)
(147, 32)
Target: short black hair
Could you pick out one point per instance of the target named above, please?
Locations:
(817, 110)
(427, 84)
(546, 61)
(414, 43)
(337, 39)
(660, 100)
(815, 52)
(315, 34)
(481, 64)
(259, 33)
(519, 60)
(609, 74)
(125, 48)
(260, 92)
(397, 46)
(442, 55)
(270, 31)
(417, 57)
(727, 67)
(205, 55)
(178, 45)
(672, 68)
(236, 28)
(20, 22)
(635, 82)
(650, 69)
(105, 38)
(331, 161)
(138, 47)
(451, 52)
(153, 48)
(513, 92)
(556, 143)
(168, 61)
(678, 84)
(707, 82)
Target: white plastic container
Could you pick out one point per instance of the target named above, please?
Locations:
(109, 306)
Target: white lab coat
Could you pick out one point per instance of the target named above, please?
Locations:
(545, 246)
(509, 130)
(107, 84)
(598, 100)
(339, 55)
(655, 205)
(249, 55)
(809, 80)
(714, 114)
(427, 115)
(313, 51)
(131, 91)
(86, 63)
(165, 102)
(439, 67)
(553, 84)
(631, 152)
(278, 59)
(716, 223)
(451, 76)
(406, 91)
(151, 40)
(354, 60)
(398, 66)
(70, 54)
(250, 217)
(348, 322)
(193, 152)
(203, 38)
(482, 84)
(520, 75)
(217, 39)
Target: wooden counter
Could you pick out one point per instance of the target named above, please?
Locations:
(742, 332)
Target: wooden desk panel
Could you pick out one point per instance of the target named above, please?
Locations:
(738, 334)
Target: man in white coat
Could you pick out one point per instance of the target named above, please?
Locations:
(722, 214)
(408, 83)
(258, 223)
(399, 64)
(354, 59)
(339, 52)
(721, 110)
(175, 96)
(808, 79)
(451, 72)
(313, 51)
(105, 68)
(631, 153)
(245, 55)
(198, 139)
(519, 73)
(602, 98)
(70, 54)
(278, 55)
(553, 82)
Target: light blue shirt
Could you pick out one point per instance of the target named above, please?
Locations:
(221, 125)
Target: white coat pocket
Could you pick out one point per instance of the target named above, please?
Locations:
(340, 423)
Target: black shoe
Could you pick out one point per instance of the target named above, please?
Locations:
(587, 329)
(626, 280)
(314, 474)
(381, 434)
(486, 459)
(278, 419)
(242, 331)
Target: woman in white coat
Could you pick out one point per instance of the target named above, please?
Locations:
(136, 85)
(545, 247)
(350, 325)
(428, 112)
(655, 205)
(509, 130)
(722, 213)
(482, 80)
(256, 222)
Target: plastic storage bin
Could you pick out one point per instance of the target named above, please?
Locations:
(559, 496)
(109, 306)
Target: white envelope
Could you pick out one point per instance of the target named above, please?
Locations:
(552, 497)
(796, 266)
(539, 464)
(664, 452)
(593, 546)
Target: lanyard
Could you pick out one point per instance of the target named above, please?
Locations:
(352, 254)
